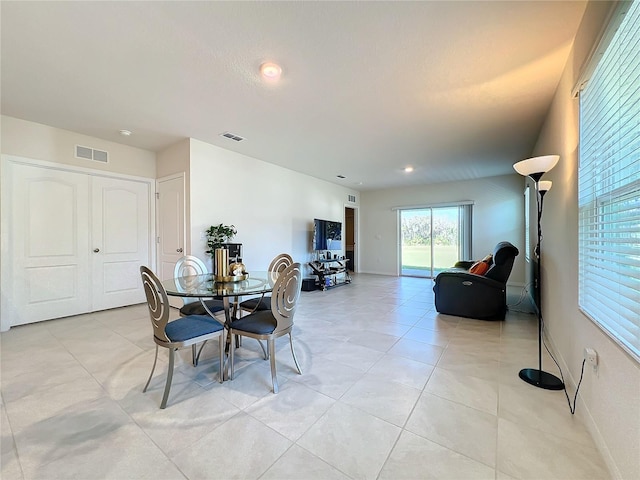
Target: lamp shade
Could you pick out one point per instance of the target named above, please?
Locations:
(544, 185)
(536, 166)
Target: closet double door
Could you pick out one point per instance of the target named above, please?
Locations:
(77, 241)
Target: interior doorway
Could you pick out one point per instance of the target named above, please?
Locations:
(350, 221)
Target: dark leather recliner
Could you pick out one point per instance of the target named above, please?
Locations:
(458, 292)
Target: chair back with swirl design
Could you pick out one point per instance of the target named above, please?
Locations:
(189, 265)
(285, 294)
(278, 264)
(157, 301)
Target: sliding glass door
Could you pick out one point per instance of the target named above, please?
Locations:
(434, 239)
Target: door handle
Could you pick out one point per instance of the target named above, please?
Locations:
(179, 250)
(96, 250)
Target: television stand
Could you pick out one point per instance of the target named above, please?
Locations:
(331, 273)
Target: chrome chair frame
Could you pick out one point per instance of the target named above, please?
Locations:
(278, 264)
(284, 298)
(158, 303)
(185, 267)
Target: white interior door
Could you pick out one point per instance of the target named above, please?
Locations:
(120, 239)
(171, 226)
(49, 238)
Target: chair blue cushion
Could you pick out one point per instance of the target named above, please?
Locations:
(261, 322)
(196, 308)
(193, 326)
(262, 303)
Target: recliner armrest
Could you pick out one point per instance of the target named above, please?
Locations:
(469, 277)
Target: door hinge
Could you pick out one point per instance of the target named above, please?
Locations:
(157, 239)
(157, 195)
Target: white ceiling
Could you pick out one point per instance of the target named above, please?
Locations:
(456, 89)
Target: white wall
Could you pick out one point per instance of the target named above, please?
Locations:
(609, 398)
(272, 208)
(42, 142)
(497, 216)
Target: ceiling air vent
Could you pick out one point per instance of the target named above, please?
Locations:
(89, 153)
(352, 198)
(232, 136)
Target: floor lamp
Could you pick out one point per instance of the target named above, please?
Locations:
(535, 168)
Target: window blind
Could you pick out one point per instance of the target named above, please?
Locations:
(609, 188)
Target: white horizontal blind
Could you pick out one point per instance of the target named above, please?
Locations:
(609, 189)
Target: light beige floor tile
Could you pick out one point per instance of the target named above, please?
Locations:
(249, 384)
(292, 411)
(408, 317)
(489, 349)
(352, 441)
(465, 430)
(432, 337)
(545, 410)
(526, 453)
(9, 464)
(374, 340)
(503, 476)
(93, 428)
(415, 457)
(124, 453)
(32, 360)
(241, 448)
(328, 377)
(434, 321)
(54, 403)
(50, 373)
(388, 328)
(419, 351)
(386, 400)
(297, 463)
(183, 422)
(354, 356)
(69, 423)
(402, 370)
(473, 392)
(471, 365)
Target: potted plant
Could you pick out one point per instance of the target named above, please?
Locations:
(217, 235)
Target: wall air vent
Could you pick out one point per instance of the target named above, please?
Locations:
(352, 198)
(232, 136)
(89, 153)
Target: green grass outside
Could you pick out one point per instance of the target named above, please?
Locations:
(419, 257)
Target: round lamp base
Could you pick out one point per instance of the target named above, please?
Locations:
(541, 379)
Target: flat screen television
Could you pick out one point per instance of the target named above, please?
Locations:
(327, 235)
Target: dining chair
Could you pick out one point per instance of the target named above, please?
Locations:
(275, 322)
(188, 266)
(183, 332)
(278, 264)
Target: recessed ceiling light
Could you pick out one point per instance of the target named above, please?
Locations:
(125, 133)
(408, 169)
(270, 71)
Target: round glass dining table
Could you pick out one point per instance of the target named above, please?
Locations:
(204, 287)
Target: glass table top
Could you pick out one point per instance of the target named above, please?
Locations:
(204, 286)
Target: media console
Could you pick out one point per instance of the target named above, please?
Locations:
(331, 273)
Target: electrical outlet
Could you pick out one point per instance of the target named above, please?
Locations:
(591, 356)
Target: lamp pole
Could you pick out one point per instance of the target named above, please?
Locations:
(538, 377)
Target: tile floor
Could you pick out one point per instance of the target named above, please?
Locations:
(390, 389)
